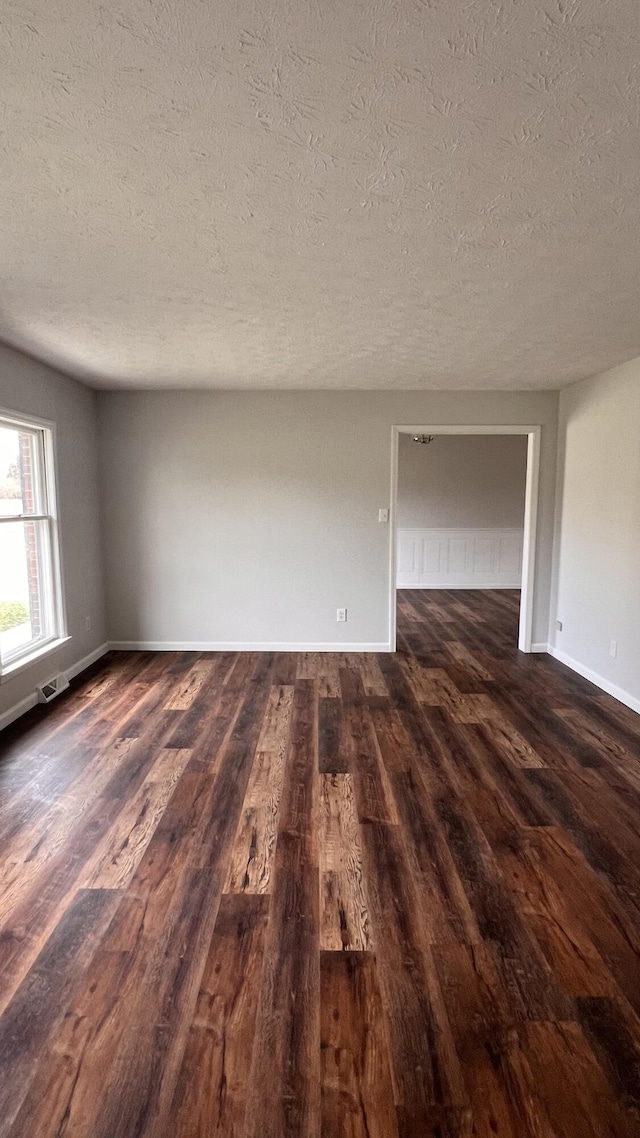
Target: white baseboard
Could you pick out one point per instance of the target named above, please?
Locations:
(588, 674)
(86, 661)
(30, 701)
(539, 647)
(467, 585)
(242, 646)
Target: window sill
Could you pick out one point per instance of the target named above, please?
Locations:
(9, 670)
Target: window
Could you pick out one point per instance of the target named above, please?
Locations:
(31, 610)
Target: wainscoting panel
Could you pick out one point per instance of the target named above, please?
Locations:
(459, 558)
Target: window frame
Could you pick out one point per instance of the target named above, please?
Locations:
(45, 455)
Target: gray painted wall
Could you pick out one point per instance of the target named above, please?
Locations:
(598, 567)
(250, 517)
(462, 481)
(33, 389)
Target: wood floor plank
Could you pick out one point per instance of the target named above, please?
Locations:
(504, 736)
(546, 733)
(618, 720)
(182, 699)
(457, 703)
(613, 859)
(427, 1080)
(522, 964)
(395, 744)
(328, 675)
(332, 752)
(521, 961)
(357, 1093)
(41, 822)
(118, 855)
(372, 678)
(567, 946)
(497, 1073)
(220, 691)
(31, 922)
(36, 898)
(467, 660)
(623, 760)
(65, 1077)
(593, 905)
(298, 816)
(421, 680)
(592, 1109)
(284, 1094)
(306, 669)
(28, 1021)
(614, 1032)
(285, 667)
(448, 913)
(373, 792)
(344, 910)
(251, 865)
(211, 1092)
(489, 768)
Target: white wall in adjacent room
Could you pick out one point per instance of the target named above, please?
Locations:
(598, 529)
(462, 481)
(32, 388)
(250, 517)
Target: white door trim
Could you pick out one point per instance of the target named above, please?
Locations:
(533, 432)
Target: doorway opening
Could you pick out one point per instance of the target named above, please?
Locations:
(500, 560)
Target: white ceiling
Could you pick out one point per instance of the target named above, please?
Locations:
(321, 193)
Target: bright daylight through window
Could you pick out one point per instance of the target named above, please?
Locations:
(30, 594)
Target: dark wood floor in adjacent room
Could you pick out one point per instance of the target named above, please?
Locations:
(280, 896)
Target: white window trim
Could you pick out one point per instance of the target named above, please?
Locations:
(60, 635)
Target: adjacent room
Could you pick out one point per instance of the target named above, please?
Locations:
(320, 570)
(460, 524)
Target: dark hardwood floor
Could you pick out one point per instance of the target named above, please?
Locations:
(277, 896)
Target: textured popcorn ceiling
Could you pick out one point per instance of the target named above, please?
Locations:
(321, 193)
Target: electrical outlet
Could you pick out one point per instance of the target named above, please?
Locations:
(341, 615)
(559, 625)
(613, 648)
(87, 624)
